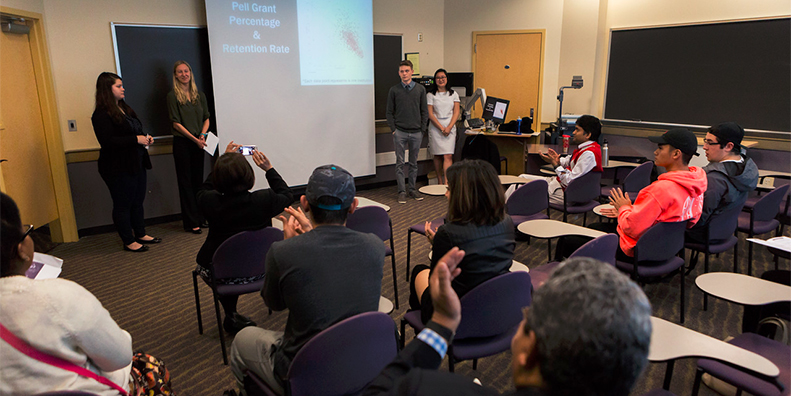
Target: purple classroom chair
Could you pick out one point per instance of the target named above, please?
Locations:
(760, 219)
(602, 248)
(776, 352)
(240, 256)
(375, 220)
(637, 179)
(419, 228)
(719, 234)
(655, 256)
(580, 196)
(343, 359)
(528, 202)
(490, 316)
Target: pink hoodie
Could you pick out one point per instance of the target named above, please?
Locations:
(675, 196)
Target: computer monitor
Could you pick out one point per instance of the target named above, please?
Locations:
(495, 109)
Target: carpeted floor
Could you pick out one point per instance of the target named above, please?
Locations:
(151, 296)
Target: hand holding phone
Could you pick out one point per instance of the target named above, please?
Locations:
(247, 150)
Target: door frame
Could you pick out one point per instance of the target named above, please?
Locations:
(543, 33)
(64, 228)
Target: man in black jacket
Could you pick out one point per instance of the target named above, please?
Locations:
(587, 333)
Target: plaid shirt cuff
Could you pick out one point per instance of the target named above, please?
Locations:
(434, 340)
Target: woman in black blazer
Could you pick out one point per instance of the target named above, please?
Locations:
(123, 160)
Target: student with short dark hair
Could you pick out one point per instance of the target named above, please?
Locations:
(225, 200)
(585, 158)
(323, 272)
(676, 195)
(407, 117)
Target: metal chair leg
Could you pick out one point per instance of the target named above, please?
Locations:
(197, 301)
(219, 328)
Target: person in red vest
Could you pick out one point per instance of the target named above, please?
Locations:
(585, 158)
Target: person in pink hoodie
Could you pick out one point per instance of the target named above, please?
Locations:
(676, 195)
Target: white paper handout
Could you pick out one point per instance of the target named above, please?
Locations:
(44, 267)
(781, 242)
(211, 143)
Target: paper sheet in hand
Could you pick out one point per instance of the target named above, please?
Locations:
(782, 243)
(44, 267)
(211, 143)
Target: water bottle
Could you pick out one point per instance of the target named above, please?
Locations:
(605, 154)
(519, 125)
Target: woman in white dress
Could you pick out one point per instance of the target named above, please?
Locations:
(443, 112)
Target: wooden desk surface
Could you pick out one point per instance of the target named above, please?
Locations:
(670, 341)
(510, 179)
(615, 151)
(498, 134)
(770, 173)
(743, 289)
(546, 229)
(433, 189)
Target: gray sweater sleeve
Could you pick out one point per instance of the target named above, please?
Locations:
(390, 114)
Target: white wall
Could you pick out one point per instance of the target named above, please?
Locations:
(410, 17)
(577, 55)
(81, 47)
(462, 17)
(636, 13)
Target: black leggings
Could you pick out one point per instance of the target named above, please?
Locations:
(188, 158)
(424, 305)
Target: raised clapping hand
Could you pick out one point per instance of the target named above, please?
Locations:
(296, 224)
(552, 157)
(430, 232)
(232, 148)
(260, 159)
(618, 199)
(447, 307)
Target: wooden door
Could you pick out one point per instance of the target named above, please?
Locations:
(508, 65)
(26, 173)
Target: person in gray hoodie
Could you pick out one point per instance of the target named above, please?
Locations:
(731, 175)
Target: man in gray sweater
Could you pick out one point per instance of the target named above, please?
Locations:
(407, 116)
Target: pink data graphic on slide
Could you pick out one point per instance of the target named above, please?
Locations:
(352, 43)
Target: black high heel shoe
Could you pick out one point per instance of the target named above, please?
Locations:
(150, 241)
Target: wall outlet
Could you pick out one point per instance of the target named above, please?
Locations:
(72, 125)
(420, 37)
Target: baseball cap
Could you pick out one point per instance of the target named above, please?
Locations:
(331, 181)
(728, 132)
(679, 138)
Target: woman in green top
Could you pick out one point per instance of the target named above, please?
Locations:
(189, 113)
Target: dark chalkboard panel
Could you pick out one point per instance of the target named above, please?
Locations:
(387, 55)
(145, 56)
(703, 74)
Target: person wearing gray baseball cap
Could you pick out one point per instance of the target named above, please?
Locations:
(322, 272)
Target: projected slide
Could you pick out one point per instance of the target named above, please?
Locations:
(295, 78)
(335, 42)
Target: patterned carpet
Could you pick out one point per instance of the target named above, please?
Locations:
(151, 296)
